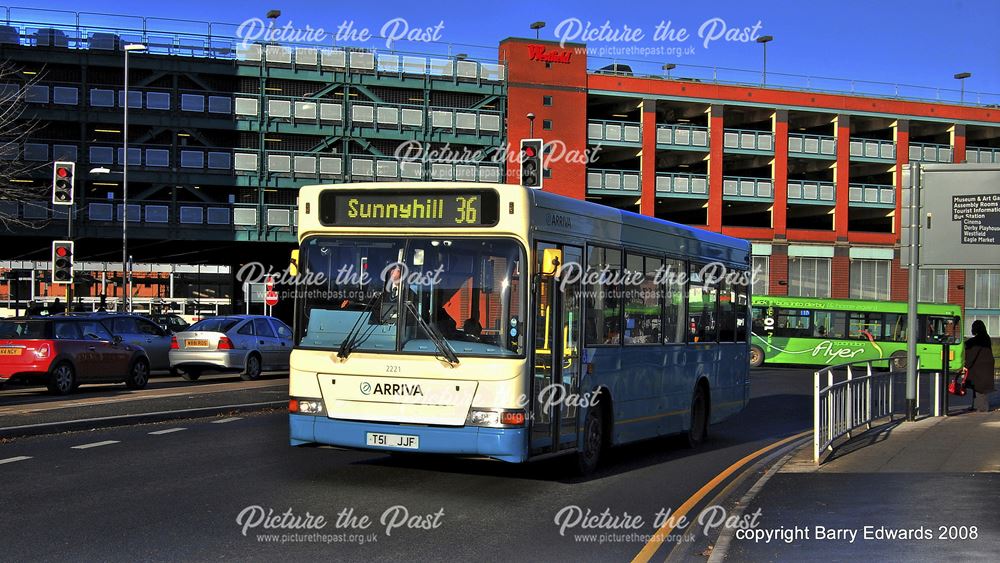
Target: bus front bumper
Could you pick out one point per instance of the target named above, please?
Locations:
(505, 444)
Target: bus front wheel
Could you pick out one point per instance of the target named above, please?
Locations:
(756, 356)
(593, 441)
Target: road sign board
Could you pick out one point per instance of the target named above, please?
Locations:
(959, 216)
(271, 298)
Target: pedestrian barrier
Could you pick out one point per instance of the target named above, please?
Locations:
(864, 399)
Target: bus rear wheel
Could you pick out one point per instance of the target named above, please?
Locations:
(897, 361)
(698, 431)
(756, 356)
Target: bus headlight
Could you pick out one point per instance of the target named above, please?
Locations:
(305, 406)
(496, 418)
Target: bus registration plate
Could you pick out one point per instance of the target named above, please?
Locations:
(393, 440)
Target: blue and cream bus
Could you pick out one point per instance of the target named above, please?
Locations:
(500, 322)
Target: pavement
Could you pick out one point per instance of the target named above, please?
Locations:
(907, 491)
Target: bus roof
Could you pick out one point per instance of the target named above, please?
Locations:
(851, 304)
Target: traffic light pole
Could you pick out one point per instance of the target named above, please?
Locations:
(69, 237)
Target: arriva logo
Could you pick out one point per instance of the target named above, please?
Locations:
(391, 389)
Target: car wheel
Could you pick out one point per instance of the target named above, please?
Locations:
(589, 457)
(253, 368)
(138, 375)
(62, 379)
(698, 431)
(756, 356)
(191, 374)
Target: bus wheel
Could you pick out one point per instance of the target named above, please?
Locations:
(897, 361)
(593, 441)
(756, 356)
(698, 431)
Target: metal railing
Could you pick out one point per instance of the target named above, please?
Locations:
(613, 180)
(873, 148)
(735, 187)
(876, 195)
(812, 191)
(616, 131)
(982, 155)
(747, 139)
(864, 399)
(823, 145)
(682, 135)
(930, 152)
(682, 184)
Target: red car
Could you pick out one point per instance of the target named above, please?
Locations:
(63, 352)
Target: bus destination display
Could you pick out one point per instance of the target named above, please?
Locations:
(409, 209)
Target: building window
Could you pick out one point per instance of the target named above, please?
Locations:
(809, 277)
(933, 286)
(547, 124)
(546, 100)
(761, 278)
(870, 279)
(547, 173)
(982, 289)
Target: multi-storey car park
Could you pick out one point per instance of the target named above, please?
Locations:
(222, 135)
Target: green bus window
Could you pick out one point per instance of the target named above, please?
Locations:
(792, 323)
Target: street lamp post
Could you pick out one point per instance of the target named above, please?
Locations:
(668, 67)
(961, 79)
(537, 26)
(764, 40)
(126, 278)
(531, 126)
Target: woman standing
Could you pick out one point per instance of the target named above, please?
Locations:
(979, 362)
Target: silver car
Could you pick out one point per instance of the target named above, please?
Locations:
(247, 344)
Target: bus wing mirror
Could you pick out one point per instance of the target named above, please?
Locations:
(293, 264)
(551, 261)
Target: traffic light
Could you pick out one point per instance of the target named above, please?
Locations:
(62, 261)
(62, 183)
(531, 163)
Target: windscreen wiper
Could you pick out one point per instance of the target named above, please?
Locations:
(347, 346)
(437, 338)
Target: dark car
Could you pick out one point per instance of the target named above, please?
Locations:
(65, 351)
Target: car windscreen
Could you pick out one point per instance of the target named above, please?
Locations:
(215, 324)
(24, 329)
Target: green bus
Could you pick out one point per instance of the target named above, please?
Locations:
(822, 332)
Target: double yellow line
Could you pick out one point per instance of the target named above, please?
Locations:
(660, 536)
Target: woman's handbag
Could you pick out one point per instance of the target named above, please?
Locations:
(957, 385)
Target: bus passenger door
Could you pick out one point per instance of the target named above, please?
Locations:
(556, 354)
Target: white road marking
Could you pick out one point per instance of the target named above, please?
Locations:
(167, 431)
(225, 420)
(13, 459)
(95, 445)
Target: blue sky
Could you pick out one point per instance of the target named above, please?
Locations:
(919, 42)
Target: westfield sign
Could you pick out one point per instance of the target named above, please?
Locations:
(540, 53)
